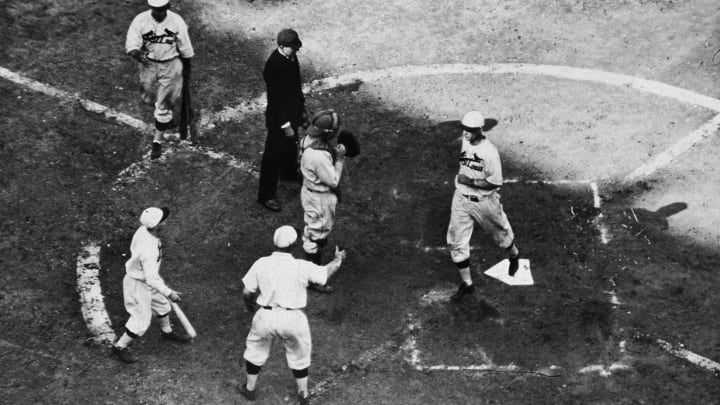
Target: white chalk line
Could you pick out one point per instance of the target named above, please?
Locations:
(441, 295)
(693, 358)
(136, 168)
(413, 355)
(663, 159)
(561, 72)
(599, 218)
(579, 74)
(91, 297)
(362, 361)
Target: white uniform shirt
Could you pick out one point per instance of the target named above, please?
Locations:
(319, 173)
(479, 161)
(283, 280)
(145, 258)
(160, 41)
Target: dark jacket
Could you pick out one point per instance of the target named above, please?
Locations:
(285, 100)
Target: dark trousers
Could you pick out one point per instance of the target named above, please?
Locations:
(279, 160)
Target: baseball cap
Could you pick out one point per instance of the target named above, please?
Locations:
(151, 217)
(323, 122)
(284, 236)
(473, 121)
(158, 3)
(289, 37)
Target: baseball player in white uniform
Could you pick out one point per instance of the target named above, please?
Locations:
(321, 165)
(477, 199)
(276, 286)
(144, 291)
(158, 39)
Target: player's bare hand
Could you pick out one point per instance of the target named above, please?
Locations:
(340, 253)
(289, 131)
(174, 296)
(139, 56)
(340, 149)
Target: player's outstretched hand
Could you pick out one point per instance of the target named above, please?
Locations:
(174, 296)
(340, 253)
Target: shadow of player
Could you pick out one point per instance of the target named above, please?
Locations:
(640, 219)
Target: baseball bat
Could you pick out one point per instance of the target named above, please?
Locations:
(187, 115)
(183, 320)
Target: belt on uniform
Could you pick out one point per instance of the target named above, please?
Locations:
(270, 308)
(161, 61)
(317, 191)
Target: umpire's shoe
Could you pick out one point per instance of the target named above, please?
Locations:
(462, 291)
(123, 354)
(175, 337)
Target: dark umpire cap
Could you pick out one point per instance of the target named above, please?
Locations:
(289, 37)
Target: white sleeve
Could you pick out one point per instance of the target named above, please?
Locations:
(315, 274)
(134, 40)
(183, 40)
(493, 170)
(151, 270)
(250, 280)
(327, 173)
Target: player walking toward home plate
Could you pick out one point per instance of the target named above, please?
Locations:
(158, 39)
(477, 198)
(276, 286)
(144, 291)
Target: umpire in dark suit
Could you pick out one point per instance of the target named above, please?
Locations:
(284, 114)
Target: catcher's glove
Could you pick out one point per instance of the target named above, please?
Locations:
(352, 146)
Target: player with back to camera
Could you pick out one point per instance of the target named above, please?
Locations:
(276, 286)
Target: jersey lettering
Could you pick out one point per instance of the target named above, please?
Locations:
(168, 37)
(474, 162)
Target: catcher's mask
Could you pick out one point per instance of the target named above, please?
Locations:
(324, 124)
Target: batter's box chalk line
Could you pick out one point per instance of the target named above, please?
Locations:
(413, 356)
(140, 168)
(441, 295)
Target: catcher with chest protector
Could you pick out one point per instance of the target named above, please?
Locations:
(321, 166)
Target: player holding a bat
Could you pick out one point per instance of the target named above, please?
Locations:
(144, 291)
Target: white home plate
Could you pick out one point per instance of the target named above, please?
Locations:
(522, 277)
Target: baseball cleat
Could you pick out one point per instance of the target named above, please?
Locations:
(463, 290)
(156, 150)
(249, 395)
(513, 268)
(124, 355)
(302, 399)
(175, 337)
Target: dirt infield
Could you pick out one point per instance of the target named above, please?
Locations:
(627, 319)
